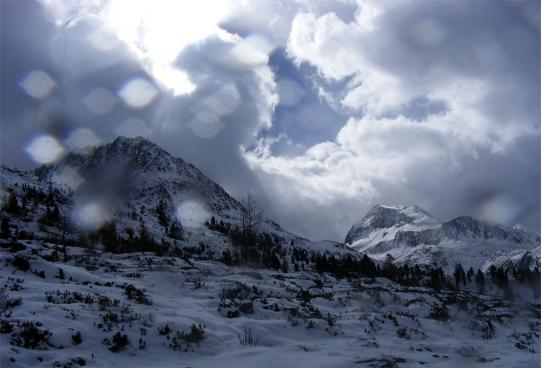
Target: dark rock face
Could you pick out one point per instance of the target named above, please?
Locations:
(468, 227)
(415, 238)
(131, 168)
(381, 217)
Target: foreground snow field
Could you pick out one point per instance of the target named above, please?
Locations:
(174, 312)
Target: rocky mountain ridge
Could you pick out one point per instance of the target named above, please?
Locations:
(411, 235)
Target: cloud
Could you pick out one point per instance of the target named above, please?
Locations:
(373, 101)
(464, 146)
(105, 80)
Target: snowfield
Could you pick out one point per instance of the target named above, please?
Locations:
(295, 319)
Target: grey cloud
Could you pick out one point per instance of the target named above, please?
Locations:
(425, 45)
(79, 69)
(433, 43)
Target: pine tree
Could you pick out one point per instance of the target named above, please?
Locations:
(4, 228)
(161, 210)
(109, 237)
(437, 279)
(368, 267)
(284, 267)
(501, 278)
(145, 240)
(459, 275)
(176, 231)
(55, 215)
(24, 205)
(469, 275)
(480, 281)
(12, 204)
(389, 269)
(534, 281)
(50, 196)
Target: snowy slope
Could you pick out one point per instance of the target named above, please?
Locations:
(296, 319)
(529, 259)
(411, 235)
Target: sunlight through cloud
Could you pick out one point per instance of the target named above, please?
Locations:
(157, 31)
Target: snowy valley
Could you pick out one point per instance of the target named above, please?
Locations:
(124, 255)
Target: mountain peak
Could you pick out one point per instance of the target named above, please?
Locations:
(138, 172)
(411, 235)
(380, 217)
(132, 140)
(127, 144)
(135, 155)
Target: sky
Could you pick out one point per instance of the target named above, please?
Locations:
(320, 109)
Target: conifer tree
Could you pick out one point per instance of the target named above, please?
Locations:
(480, 281)
(4, 228)
(161, 210)
(12, 204)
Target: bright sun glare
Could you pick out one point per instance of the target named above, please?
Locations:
(156, 31)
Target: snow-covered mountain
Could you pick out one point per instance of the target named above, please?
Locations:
(137, 169)
(412, 236)
(125, 182)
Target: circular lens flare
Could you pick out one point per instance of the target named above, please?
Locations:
(138, 93)
(192, 214)
(44, 149)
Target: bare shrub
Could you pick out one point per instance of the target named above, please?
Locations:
(248, 339)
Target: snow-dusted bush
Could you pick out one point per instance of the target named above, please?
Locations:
(6, 303)
(30, 335)
(117, 343)
(137, 294)
(438, 312)
(76, 338)
(233, 300)
(20, 263)
(68, 297)
(196, 334)
(177, 341)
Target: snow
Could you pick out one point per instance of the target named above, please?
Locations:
(358, 322)
(368, 316)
